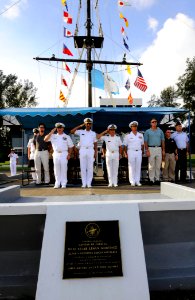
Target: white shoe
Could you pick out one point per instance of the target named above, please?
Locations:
(83, 186)
(89, 186)
(110, 185)
(132, 184)
(138, 184)
(63, 187)
(115, 185)
(56, 187)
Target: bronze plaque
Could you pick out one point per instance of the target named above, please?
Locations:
(92, 249)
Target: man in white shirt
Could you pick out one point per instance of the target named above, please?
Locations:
(113, 152)
(134, 147)
(62, 149)
(182, 141)
(13, 162)
(87, 151)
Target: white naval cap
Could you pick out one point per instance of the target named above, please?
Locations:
(88, 120)
(59, 125)
(112, 126)
(133, 123)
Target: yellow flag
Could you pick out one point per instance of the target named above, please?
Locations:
(63, 2)
(128, 70)
(61, 97)
(121, 16)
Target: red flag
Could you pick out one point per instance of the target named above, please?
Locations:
(66, 67)
(67, 33)
(124, 3)
(67, 17)
(67, 51)
(140, 82)
(63, 81)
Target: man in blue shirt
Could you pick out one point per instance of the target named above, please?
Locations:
(155, 150)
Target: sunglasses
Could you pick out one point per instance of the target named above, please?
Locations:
(154, 122)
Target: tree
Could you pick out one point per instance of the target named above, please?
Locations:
(186, 86)
(14, 93)
(167, 98)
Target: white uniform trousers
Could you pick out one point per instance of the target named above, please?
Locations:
(13, 168)
(134, 164)
(86, 164)
(42, 157)
(112, 164)
(154, 160)
(60, 168)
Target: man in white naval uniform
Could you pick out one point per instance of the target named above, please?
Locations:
(134, 147)
(62, 148)
(87, 151)
(13, 162)
(113, 152)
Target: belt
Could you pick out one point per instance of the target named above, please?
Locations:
(182, 149)
(61, 151)
(86, 147)
(41, 150)
(113, 151)
(155, 146)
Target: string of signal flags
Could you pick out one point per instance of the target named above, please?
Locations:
(139, 82)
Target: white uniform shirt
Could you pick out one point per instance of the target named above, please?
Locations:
(61, 142)
(112, 142)
(13, 157)
(134, 142)
(32, 148)
(181, 139)
(87, 138)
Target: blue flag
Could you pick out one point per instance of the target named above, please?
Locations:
(125, 44)
(127, 84)
(97, 79)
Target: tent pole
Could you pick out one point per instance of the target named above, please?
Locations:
(190, 162)
(23, 131)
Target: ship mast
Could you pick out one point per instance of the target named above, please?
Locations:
(89, 42)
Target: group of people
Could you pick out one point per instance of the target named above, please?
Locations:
(171, 149)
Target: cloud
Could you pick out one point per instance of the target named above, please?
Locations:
(152, 23)
(142, 3)
(165, 59)
(13, 9)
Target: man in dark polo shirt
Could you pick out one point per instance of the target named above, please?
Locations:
(182, 141)
(170, 157)
(41, 155)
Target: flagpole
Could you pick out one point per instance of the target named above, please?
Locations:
(89, 64)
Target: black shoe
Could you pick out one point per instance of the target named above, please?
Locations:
(157, 182)
(151, 182)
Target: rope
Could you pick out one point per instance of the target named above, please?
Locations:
(98, 18)
(74, 76)
(5, 10)
(78, 18)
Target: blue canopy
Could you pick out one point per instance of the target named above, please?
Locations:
(102, 116)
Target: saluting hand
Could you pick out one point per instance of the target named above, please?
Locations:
(53, 130)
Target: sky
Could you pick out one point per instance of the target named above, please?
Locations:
(161, 36)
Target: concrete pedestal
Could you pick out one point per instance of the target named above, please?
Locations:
(132, 285)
